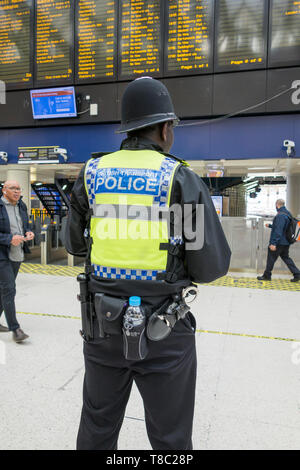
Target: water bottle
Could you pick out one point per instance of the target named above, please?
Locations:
(134, 331)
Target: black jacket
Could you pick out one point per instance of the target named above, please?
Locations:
(5, 235)
(204, 265)
(279, 226)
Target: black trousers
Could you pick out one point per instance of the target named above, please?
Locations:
(283, 252)
(8, 273)
(166, 380)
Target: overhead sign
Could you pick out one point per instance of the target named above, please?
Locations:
(189, 40)
(140, 38)
(96, 40)
(241, 34)
(54, 25)
(37, 155)
(284, 33)
(16, 43)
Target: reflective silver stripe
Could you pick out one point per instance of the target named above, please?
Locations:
(130, 212)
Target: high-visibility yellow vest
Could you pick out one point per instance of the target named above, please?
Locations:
(120, 186)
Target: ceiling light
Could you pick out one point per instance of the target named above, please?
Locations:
(259, 168)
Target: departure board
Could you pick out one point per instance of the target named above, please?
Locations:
(15, 42)
(140, 38)
(54, 41)
(96, 40)
(46, 43)
(189, 37)
(241, 37)
(284, 33)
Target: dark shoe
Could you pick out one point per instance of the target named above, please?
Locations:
(3, 329)
(295, 279)
(263, 278)
(19, 335)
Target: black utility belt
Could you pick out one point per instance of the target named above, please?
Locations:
(114, 318)
(137, 325)
(159, 323)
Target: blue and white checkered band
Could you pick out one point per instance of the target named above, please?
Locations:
(166, 168)
(120, 273)
(91, 172)
(176, 241)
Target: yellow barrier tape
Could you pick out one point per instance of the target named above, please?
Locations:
(225, 281)
(197, 331)
(248, 336)
(49, 315)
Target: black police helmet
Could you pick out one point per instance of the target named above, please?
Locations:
(145, 102)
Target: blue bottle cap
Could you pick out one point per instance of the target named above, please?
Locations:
(134, 301)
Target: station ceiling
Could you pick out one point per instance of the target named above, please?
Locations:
(252, 167)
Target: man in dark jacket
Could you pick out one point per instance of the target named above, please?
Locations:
(279, 245)
(166, 377)
(14, 233)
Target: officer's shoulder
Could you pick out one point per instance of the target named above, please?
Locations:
(180, 160)
(187, 176)
(185, 167)
(95, 156)
(99, 154)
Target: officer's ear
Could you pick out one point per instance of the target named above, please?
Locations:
(167, 135)
(164, 131)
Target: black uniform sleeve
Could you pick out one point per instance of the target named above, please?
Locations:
(212, 260)
(77, 220)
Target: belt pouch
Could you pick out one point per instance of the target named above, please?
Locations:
(109, 311)
(134, 339)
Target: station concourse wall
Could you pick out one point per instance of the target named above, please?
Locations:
(232, 138)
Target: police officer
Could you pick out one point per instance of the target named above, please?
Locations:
(111, 205)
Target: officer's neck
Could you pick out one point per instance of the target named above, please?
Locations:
(141, 142)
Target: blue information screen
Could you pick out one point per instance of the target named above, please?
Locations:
(53, 103)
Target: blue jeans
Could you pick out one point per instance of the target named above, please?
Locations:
(8, 273)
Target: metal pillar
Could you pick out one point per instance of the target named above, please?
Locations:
(45, 244)
(22, 176)
(293, 194)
